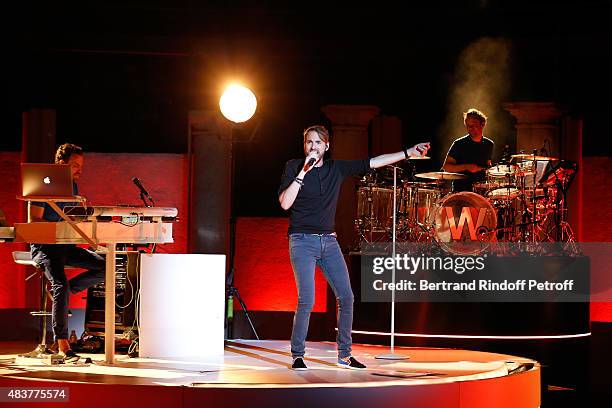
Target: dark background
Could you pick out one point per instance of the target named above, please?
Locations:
(123, 75)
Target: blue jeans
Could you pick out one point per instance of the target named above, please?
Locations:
(307, 251)
(52, 259)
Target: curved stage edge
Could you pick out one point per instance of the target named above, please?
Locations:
(256, 373)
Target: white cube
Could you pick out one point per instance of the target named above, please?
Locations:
(182, 300)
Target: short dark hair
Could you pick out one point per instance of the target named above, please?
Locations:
(476, 114)
(65, 151)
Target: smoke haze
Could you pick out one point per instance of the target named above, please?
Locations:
(481, 80)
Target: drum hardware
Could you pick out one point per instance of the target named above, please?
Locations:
(563, 173)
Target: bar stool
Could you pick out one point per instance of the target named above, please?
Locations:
(25, 258)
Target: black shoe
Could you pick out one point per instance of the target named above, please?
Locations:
(298, 364)
(69, 356)
(350, 362)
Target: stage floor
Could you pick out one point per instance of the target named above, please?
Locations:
(252, 369)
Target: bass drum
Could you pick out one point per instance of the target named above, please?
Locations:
(465, 223)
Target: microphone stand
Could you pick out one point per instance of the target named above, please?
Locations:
(392, 355)
(144, 200)
(144, 195)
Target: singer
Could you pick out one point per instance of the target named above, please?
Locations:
(52, 258)
(309, 189)
(470, 154)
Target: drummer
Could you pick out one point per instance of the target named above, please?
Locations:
(470, 154)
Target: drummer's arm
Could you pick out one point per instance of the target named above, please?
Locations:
(390, 158)
(450, 164)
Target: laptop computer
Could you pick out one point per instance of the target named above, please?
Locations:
(49, 180)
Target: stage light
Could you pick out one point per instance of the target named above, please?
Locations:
(238, 103)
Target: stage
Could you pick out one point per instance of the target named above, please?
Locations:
(257, 373)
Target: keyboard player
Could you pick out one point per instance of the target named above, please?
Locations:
(52, 258)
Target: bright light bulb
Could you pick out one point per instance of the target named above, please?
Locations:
(238, 103)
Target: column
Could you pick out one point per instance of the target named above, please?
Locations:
(349, 142)
(537, 123)
(38, 140)
(209, 158)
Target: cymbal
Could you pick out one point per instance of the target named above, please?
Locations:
(419, 158)
(441, 175)
(525, 156)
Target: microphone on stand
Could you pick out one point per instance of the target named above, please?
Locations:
(143, 191)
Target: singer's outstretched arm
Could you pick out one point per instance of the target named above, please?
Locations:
(390, 158)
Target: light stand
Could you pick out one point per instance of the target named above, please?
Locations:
(237, 104)
(230, 289)
(392, 355)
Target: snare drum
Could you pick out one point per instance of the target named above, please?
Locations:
(464, 223)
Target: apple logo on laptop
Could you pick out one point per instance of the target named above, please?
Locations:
(47, 180)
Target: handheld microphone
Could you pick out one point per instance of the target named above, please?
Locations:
(143, 191)
(310, 163)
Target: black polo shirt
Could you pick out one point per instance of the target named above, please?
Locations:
(314, 209)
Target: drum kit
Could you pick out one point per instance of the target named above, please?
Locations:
(521, 199)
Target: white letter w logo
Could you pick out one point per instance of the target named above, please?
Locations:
(466, 216)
